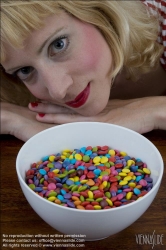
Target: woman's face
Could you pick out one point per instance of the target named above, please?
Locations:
(67, 62)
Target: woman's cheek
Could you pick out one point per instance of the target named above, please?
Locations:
(38, 92)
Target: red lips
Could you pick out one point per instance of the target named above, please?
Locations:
(80, 99)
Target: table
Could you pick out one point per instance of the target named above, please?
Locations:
(20, 224)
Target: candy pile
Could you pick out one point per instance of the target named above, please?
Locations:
(90, 178)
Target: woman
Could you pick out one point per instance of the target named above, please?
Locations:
(83, 61)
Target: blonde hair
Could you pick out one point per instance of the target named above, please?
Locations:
(128, 27)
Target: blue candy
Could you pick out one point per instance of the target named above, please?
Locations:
(136, 191)
(45, 158)
(69, 182)
(97, 172)
(60, 197)
(63, 191)
(82, 150)
(88, 152)
(38, 189)
(42, 171)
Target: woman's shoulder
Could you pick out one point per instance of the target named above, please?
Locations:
(158, 7)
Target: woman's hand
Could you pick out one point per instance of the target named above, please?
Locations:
(20, 121)
(141, 114)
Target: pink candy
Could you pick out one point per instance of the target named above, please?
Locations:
(143, 182)
(51, 186)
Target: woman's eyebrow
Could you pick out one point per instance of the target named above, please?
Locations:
(39, 50)
(45, 42)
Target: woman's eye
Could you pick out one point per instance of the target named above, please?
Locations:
(24, 73)
(58, 46)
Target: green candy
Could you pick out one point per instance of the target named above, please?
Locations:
(71, 171)
(41, 180)
(94, 188)
(94, 149)
(118, 177)
(104, 173)
(52, 194)
(82, 198)
(62, 175)
(32, 186)
(74, 188)
(86, 158)
(82, 188)
(107, 164)
(108, 185)
(89, 199)
(99, 199)
(140, 171)
(111, 163)
(65, 186)
(50, 165)
(108, 195)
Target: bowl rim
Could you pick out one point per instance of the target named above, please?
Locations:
(157, 184)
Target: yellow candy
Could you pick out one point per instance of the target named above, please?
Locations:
(90, 194)
(65, 153)
(72, 179)
(63, 157)
(122, 183)
(146, 170)
(123, 153)
(104, 183)
(83, 181)
(127, 178)
(111, 152)
(122, 174)
(140, 197)
(56, 171)
(52, 158)
(126, 170)
(128, 195)
(104, 159)
(97, 207)
(76, 178)
(52, 198)
(130, 162)
(67, 150)
(78, 157)
(97, 164)
(71, 157)
(109, 202)
(132, 184)
(134, 177)
(96, 159)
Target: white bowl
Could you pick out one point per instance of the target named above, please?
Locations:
(94, 224)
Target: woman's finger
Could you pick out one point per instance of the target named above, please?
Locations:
(64, 118)
(48, 108)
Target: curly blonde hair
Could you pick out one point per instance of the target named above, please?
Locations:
(128, 27)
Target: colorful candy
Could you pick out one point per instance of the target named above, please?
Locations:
(90, 178)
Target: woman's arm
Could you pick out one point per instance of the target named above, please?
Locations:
(140, 114)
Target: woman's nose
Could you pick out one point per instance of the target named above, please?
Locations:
(57, 82)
